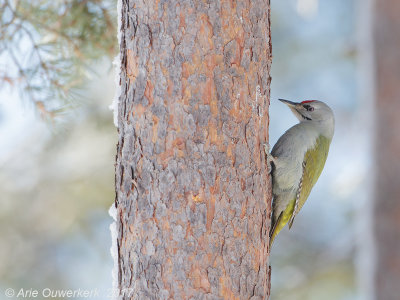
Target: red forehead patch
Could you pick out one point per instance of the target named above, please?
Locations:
(307, 101)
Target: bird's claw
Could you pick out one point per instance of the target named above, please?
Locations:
(269, 157)
(266, 148)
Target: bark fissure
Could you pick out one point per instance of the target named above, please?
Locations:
(194, 203)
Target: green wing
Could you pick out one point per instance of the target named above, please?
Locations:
(314, 162)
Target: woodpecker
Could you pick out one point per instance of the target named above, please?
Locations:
(297, 160)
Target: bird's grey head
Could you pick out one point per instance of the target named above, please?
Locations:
(310, 110)
(314, 111)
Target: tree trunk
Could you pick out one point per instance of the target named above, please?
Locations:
(387, 149)
(193, 192)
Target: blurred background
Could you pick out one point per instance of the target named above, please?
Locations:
(317, 55)
(58, 142)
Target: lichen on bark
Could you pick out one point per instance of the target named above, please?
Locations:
(192, 189)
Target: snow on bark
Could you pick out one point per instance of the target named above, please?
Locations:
(114, 250)
(117, 69)
(113, 210)
(114, 104)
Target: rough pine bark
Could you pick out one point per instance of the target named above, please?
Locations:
(193, 192)
(387, 149)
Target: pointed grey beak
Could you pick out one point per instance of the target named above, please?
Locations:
(290, 103)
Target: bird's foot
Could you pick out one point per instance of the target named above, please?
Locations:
(269, 157)
(266, 148)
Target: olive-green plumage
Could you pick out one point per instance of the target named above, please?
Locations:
(298, 159)
(314, 162)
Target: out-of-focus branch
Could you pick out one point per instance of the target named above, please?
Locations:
(46, 48)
